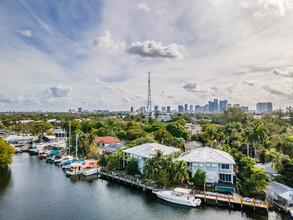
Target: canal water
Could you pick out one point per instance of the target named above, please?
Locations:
(33, 189)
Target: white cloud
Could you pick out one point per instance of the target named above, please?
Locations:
(143, 6)
(107, 42)
(59, 91)
(286, 73)
(268, 7)
(155, 49)
(26, 33)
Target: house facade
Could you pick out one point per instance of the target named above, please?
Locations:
(268, 169)
(146, 151)
(104, 141)
(280, 195)
(217, 164)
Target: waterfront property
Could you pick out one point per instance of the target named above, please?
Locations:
(105, 141)
(110, 148)
(268, 169)
(280, 195)
(146, 151)
(217, 164)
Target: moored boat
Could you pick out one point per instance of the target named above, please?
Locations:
(90, 171)
(75, 169)
(179, 196)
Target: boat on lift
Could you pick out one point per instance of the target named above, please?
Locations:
(75, 169)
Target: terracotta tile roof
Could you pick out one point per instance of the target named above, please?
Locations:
(107, 140)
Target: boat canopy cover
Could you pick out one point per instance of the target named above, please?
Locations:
(54, 153)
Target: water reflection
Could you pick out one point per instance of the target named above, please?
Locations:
(77, 178)
(5, 178)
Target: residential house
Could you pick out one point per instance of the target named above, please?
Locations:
(269, 170)
(146, 151)
(104, 141)
(194, 129)
(191, 145)
(280, 195)
(217, 164)
(111, 148)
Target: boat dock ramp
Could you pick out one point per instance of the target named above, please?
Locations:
(225, 200)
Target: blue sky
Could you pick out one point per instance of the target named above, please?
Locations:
(59, 55)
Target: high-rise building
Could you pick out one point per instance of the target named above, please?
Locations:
(223, 105)
(156, 109)
(180, 108)
(213, 106)
(164, 109)
(244, 108)
(191, 108)
(132, 109)
(79, 109)
(185, 107)
(168, 109)
(236, 105)
(264, 107)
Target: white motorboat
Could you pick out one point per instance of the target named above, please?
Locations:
(179, 196)
(75, 169)
(90, 171)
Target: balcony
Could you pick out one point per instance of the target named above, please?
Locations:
(225, 171)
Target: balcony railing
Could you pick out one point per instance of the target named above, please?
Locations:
(225, 170)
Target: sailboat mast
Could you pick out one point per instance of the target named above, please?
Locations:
(69, 135)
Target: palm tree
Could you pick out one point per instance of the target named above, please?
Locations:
(181, 172)
(257, 135)
(168, 164)
(149, 168)
(212, 134)
(277, 163)
(248, 138)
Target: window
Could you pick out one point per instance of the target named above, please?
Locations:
(208, 164)
(225, 178)
(201, 164)
(214, 165)
(225, 166)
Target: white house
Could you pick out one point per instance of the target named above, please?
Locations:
(148, 150)
(271, 172)
(280, 195)
(217, 164)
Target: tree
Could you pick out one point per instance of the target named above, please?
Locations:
(177, 130)
(94, 151)
(235, 115)
(149, 138)
(163, 137)
(150, 168)
(258, 135)
(86, 126)
(199, 179)
(103, 161)
(181, 171)
(132, 167)
(212, 134)
(134, 132)
(6, 153)
(163, 177)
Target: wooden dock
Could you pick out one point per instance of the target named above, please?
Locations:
(145, 185)
(229, 200)
(233, 199)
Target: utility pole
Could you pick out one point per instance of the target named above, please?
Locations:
(149, 104)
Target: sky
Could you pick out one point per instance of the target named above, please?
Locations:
(60, 55)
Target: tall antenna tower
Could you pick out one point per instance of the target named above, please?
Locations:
(149, 104)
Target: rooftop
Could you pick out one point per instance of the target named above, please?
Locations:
(149, 149)
(207, 154)
(268, 168)
(107, 140)
(279, 188)
(111, 148)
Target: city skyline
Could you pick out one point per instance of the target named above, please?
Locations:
(57, 55)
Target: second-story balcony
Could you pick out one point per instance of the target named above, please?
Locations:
(225, 170)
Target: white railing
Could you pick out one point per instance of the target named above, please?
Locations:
(225, 170)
